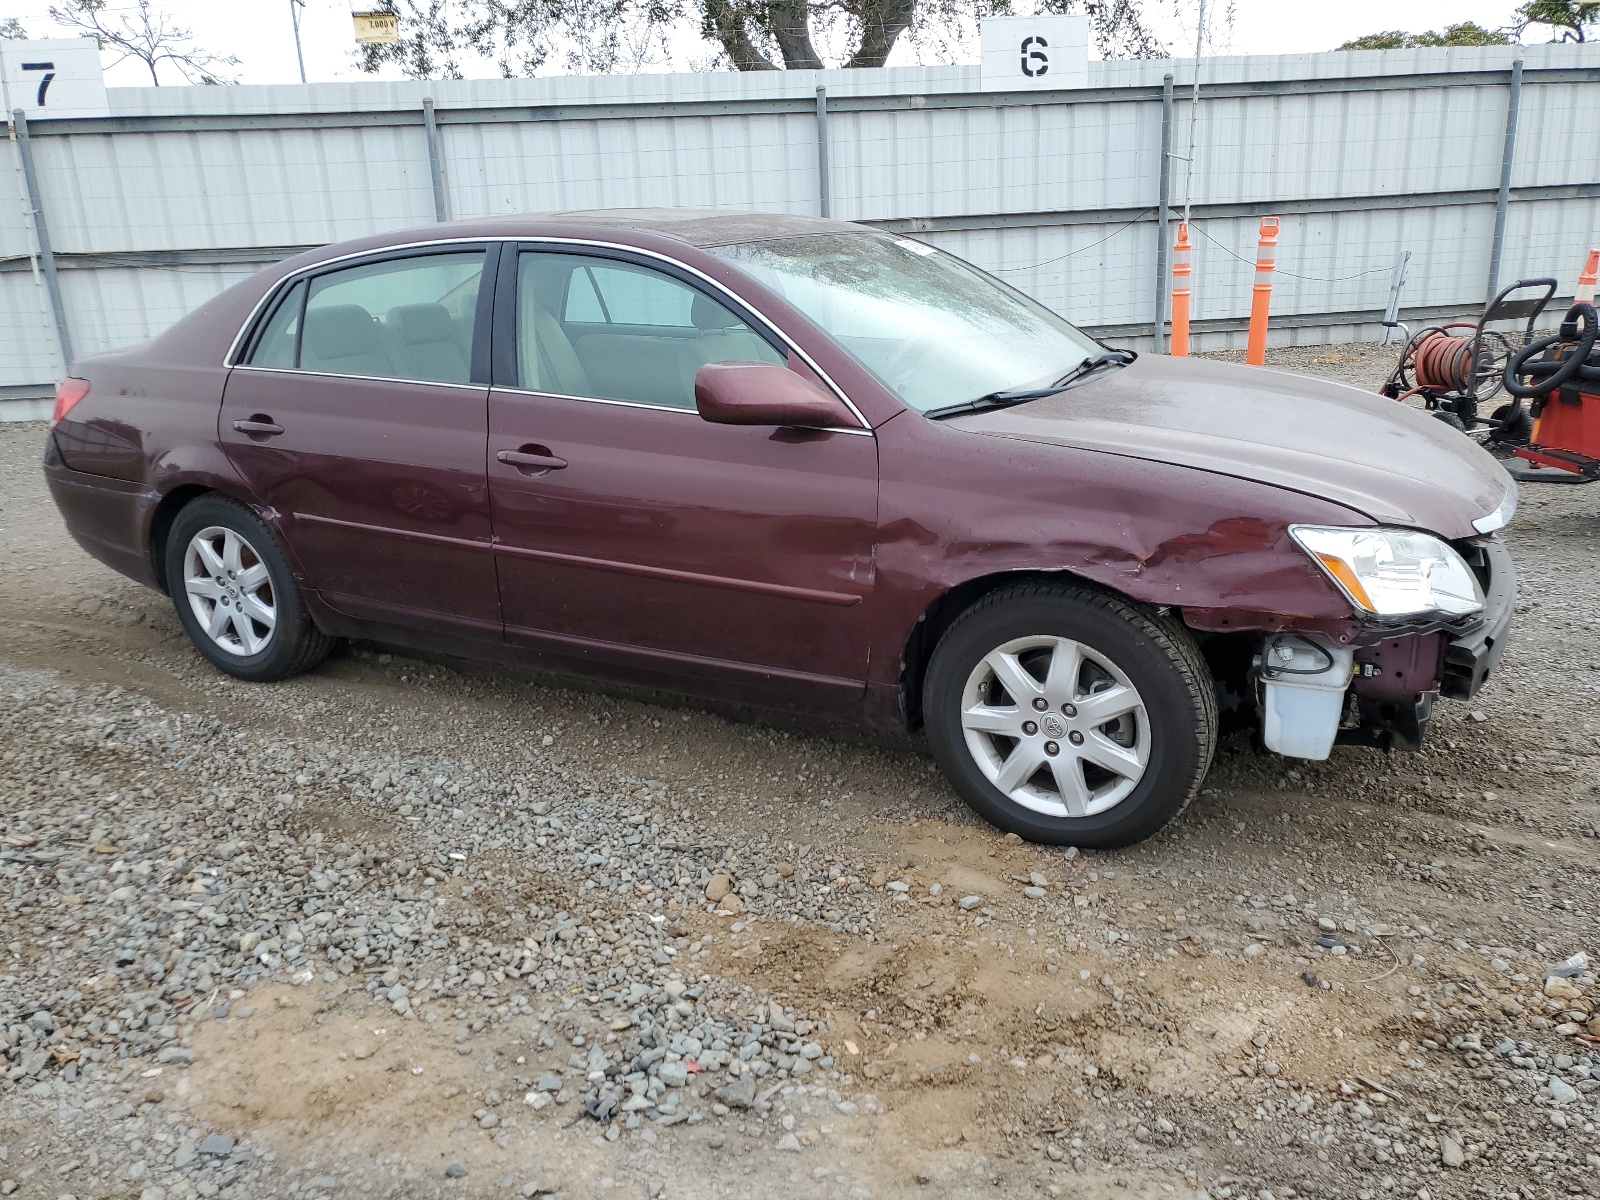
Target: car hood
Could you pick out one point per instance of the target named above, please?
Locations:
(1395, 464)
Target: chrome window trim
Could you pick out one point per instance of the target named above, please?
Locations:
(470, 387)
(236, 345)
(668, 408)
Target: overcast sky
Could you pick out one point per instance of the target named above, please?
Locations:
(259, 33)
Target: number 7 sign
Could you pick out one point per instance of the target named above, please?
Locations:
(53, 77)
(49, 69)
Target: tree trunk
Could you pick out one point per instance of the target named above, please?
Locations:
(726, 24)
(789, 22)
(882, 23)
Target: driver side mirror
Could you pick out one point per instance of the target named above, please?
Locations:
(759, 393)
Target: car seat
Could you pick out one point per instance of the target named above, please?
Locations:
(431, 339)
(343, 339)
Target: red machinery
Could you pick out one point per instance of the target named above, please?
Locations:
(1560, 376)
(1552, 438)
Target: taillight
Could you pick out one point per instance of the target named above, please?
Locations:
(68, 392)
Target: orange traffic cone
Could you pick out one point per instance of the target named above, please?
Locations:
(1584, 293)
(1180, 292)
(1261, 296)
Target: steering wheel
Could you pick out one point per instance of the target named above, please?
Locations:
(1582, 327)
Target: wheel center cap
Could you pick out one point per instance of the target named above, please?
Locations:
(1053, 725)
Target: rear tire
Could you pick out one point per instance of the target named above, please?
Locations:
(1116, 708)
(235, 595)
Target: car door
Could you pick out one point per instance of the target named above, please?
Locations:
(630, 531)
(359, 416)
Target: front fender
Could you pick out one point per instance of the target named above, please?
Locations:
(957, 507)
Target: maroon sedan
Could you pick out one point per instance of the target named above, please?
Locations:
(798, 464)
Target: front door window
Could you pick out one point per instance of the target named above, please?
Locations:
(611, 330)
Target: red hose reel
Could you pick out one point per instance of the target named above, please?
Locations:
(1553, 417)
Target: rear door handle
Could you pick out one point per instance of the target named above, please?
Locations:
(531, 458)
(259, 426)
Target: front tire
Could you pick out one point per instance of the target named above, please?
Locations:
(235, 595)
(1069, 716)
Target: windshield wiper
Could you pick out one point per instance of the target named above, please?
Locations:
(1006, 399)
(1111, 358)
(994, 400)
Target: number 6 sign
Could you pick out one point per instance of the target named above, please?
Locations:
(1027, 53)
(54, 77)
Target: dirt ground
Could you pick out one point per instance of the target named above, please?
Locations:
(1326, 979)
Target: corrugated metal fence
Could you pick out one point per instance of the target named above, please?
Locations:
(182, 191)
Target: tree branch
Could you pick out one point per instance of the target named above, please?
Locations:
(144, 35)
(726, 23)
(882, 23)
(789, 21)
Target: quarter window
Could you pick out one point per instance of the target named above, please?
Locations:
(407, 318)
(280, 338)
(601, 328)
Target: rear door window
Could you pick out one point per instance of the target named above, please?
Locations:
(401, 318)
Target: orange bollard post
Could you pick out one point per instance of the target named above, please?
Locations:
(1180, 292)
(1587, 278)
(1261, 297)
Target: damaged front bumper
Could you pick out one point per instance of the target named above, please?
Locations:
(1393, 681)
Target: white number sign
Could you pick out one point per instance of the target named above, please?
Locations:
(53, 77)
(1028, 53)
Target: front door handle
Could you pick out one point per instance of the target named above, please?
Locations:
(259, 426)
(531, 459)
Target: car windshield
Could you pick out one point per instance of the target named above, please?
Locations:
(936, 331)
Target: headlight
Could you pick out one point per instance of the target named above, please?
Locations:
(1393, 572)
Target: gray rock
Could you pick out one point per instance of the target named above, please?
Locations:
(673, 1074)
(218, 1144)
(455, 1171)
(1451, 1153)
(969, 902)
(1561, 1091)
(741, 1093)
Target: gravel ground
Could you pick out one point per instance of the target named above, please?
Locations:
(401, 929)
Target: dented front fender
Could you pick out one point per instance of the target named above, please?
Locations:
(956, 506)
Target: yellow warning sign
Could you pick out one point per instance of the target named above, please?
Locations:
(377, 28)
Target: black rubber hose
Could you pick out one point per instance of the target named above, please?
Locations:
(1581, 326)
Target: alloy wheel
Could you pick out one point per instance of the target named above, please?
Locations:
(1056, 726)
(230, 591)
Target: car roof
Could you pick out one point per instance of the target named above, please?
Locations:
(696, 226)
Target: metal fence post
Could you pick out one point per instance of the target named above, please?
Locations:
(1504, 197)
(441, 203)
(823, 195)
(41, 233)
(1161, 212)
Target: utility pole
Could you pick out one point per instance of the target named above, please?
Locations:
(1194, 110)
(294, 16)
